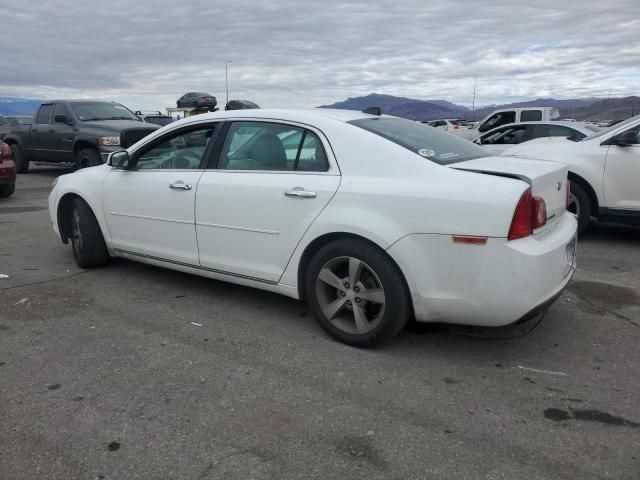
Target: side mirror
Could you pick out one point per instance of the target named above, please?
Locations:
(60, 118)
(485, 127)
(119, 159)
(624, 139)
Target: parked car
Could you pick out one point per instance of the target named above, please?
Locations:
(604, 169)
(448, 124)
(501, 138)
(505, 116)
(370, 218)
(197, 100)
(7, 171)
(8, 123)
(156, 117)
(240, 105)
(82, 132)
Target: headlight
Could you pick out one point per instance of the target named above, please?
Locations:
(109, 141)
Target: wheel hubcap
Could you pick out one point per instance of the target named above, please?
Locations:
(350, 295)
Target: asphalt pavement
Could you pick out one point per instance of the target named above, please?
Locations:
(103, 375)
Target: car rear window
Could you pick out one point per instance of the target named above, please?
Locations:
(429, 143)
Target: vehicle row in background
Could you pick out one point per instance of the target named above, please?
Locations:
(448, 124)
(7, 171)
(501, 138)
(7, 123)
(80, 132)
(154, 116)
(604, 170)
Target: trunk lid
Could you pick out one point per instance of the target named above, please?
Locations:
(547, 179)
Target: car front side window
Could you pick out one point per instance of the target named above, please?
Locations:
(183, 151)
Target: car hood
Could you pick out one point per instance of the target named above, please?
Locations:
(547, 179)
(118, 125)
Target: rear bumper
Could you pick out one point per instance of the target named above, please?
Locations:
(7, 172)
(491, 285)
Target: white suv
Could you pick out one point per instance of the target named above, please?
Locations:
(604, 170)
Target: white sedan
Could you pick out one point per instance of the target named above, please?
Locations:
(604, 170)
(371, 219)
(499, 139)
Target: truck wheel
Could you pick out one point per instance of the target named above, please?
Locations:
(89, 249)
(357, 293)
(22, 163)
(88, 157)
(7, 190)
(580, 205)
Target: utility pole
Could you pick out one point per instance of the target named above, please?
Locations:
(226, 78)
(609, 94)
(473, 103)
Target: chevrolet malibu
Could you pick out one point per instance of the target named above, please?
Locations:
(370, 219)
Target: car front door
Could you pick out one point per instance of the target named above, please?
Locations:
(149, 207)
(270, 182)
(622, 175)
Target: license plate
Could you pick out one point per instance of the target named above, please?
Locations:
(571, 256)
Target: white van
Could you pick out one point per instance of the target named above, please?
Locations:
(510, 115)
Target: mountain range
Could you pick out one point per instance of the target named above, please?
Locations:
(579, 108)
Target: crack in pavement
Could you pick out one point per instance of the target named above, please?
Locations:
(606, 310)
(43, 281)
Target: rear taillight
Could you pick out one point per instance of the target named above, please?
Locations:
(568, 192)
(531, 213)
(5, 152)
(456, 127)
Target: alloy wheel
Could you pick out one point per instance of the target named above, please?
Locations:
(350, 295)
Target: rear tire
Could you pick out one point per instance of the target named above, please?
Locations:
(357, 293)
(88, 157)
(21, 161)
(89, 248)
(580, 205)
(7, 190)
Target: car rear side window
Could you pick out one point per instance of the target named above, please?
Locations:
(44, 113)
(430, 143)
(557, 131)
(531, 116)
(272, 146)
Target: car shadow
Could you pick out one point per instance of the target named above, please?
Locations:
(610, 232)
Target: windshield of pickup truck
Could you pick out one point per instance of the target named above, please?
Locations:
(91, 111)
(430, 143)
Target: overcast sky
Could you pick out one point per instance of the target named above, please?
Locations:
(147, 53)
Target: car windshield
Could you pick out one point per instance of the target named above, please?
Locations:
(611, 128)
(430, 143)
(89, 111)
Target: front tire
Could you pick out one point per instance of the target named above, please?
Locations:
(7, 190)
(21, 161)
(88, 157)
(580, 205)
(357, 293)
(89, 248)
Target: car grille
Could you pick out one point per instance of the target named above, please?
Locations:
(130, 136)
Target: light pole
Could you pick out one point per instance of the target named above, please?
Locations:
(473, 103)
(226, 78)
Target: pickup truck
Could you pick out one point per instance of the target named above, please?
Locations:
(504, 116)
(81, 132)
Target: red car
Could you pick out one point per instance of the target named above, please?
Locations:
(7, 171)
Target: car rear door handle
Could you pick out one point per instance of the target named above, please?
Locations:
(180, 186)
(300, 192)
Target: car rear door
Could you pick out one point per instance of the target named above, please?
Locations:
(150, 208)
(270, 181)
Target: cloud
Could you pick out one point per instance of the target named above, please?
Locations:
(302, 54)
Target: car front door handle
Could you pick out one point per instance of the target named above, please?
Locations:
(300, 192)
(180, 186)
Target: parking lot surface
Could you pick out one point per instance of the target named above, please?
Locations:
(103, 375)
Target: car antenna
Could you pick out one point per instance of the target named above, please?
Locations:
(373, 111)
